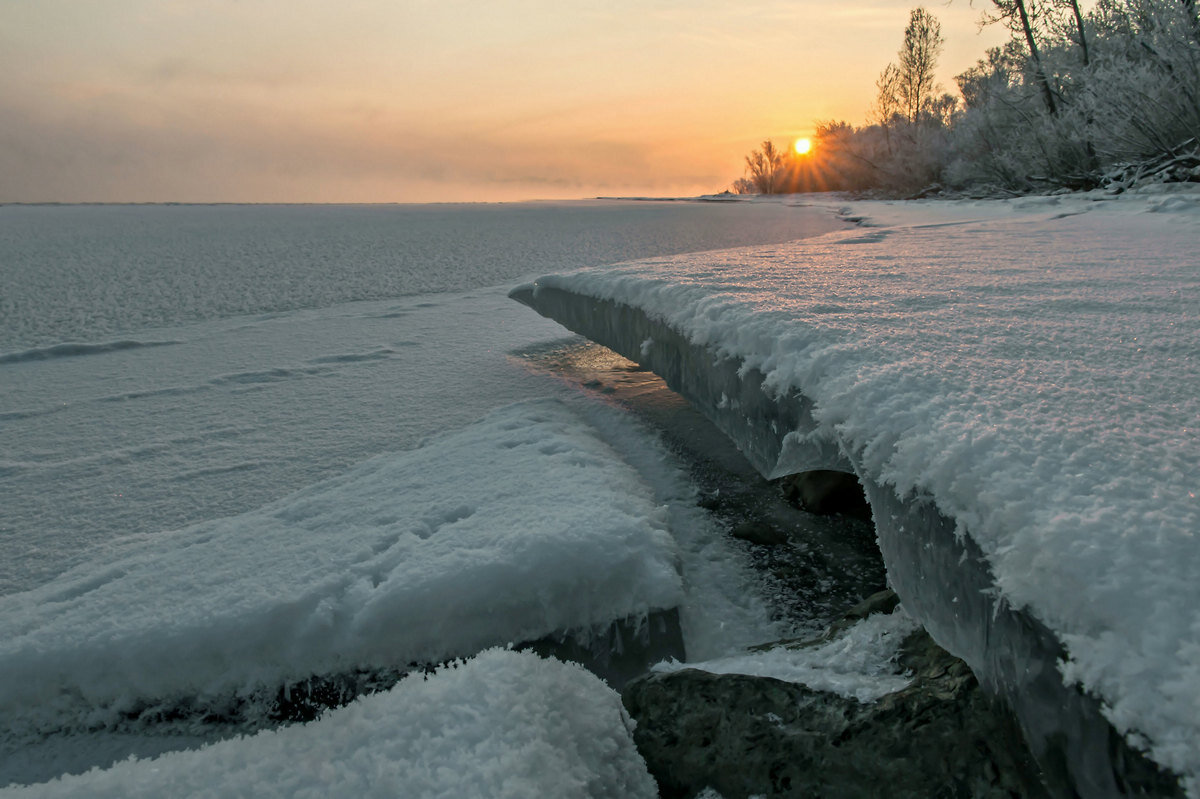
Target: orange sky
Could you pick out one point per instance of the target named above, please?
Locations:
(428, 100)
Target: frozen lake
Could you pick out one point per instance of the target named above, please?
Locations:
(166, 365)
(231, 436)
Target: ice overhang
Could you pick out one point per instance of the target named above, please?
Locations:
(939, 572)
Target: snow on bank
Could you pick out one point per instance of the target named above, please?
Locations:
(521, 525)
(1033, 365)
(722, 610)
(859, 664)
(503, 724)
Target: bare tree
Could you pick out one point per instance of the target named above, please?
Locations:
(906, 89)
(887, 101)
(923, 44)
(764, 166)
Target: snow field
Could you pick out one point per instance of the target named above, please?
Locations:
(514, 528)
(1032, 365)
(79, 273)
(502, 725)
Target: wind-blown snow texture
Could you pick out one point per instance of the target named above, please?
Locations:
(519, 526)
(1033, 365)
(503, 724)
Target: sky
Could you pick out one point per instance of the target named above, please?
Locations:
(429, 100)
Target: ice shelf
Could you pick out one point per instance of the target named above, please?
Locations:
(709, 325)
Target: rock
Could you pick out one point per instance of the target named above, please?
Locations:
(880, 602)
(622, 650)
(759, 532)
(884, 601)
(823, 491)
(942, 736)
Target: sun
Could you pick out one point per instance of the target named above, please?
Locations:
(802, 146)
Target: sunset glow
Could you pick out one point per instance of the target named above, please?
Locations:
(372, 101)
(803, 146)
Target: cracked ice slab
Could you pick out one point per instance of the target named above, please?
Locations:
(522, 525)
(1029, 367)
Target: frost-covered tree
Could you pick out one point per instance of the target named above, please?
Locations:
(1023, 17)
(1191, 12)
(911, 113)
(902, 152)
(907, 89)
(887, 101)
(923, 44)
(1144, 87)
(1075, 99)
(1076, 30)
(763, 167)
(1074, 96)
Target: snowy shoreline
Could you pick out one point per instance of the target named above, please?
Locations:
(1061, 351)
(300, 605)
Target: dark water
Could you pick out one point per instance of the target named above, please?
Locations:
(829, 563)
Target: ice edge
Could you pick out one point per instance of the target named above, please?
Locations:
(940, 574)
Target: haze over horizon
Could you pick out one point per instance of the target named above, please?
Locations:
(429, 100)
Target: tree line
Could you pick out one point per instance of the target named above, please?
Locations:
(1073, 100)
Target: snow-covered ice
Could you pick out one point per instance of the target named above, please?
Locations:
(226, 415)
(165, 365)
(169, 373)
(502, 724)
(1034, 366)
(521, 525)
(97, 273)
